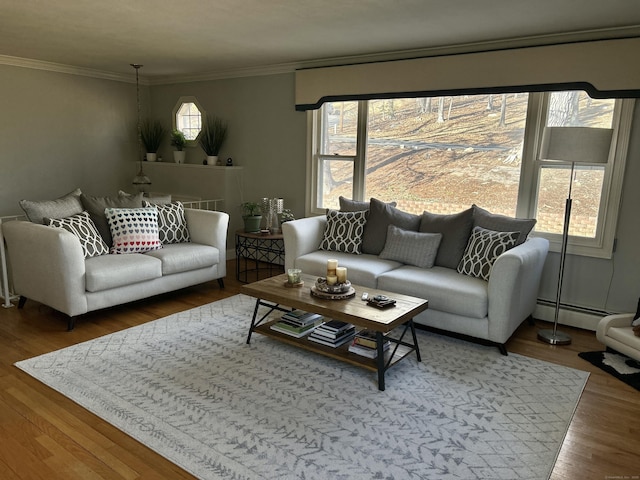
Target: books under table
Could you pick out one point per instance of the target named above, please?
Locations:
(296, 328)
(364, 343)
(333, 333)
(301, 318)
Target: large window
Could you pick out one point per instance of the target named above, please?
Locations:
(443, 154)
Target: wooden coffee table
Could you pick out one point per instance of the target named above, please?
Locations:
(272, 294)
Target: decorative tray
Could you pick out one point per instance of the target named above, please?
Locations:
(350, 293)
(323, 286)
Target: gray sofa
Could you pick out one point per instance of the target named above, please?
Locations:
(490, 310)
(48, 265)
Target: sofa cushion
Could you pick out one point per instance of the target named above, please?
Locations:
(363, 269)
(82, 227)
(412, 248)
(183, 257)
(348, 205)
(134, 230)
(111, 271)
(65, 206)
(482, 250)
(172, 226)
(343, 232)
(502, 223)
(455, 230)
(97, 205)
(446, 289)
(381, 215)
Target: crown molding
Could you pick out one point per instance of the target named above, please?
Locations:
(275, 69)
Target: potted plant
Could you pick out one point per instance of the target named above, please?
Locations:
(179, 141)
(212, 137)
(252, 216)
(152, 133)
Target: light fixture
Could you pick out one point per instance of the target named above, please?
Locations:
(140, 180)
(571, 145)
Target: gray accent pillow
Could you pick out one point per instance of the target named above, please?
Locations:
(484, 247)
(381, 215)
(172, 226)
(455, 230)
(65, 206)
(343, 232)
(502, 223)
(83, 228)
(347, 205)
(97, 205)
(412, 248)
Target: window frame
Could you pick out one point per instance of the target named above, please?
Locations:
(602, 246)
(174, 115)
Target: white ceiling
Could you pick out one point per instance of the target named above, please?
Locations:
(175, 39)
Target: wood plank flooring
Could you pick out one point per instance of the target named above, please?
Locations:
(43, 435)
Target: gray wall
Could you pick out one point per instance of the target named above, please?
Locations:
(62, 131)
(59, 132)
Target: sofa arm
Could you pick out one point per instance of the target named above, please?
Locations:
(47, 265)
(209, 228)
(513, 287)
(302, 236)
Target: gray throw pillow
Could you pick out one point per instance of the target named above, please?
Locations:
(484, 247)
(65, 206)
(83, 228)
(502, 223)
(172, 225)
(97, 205)
(343, 232)
(347, 205)
(412, 248)
(380, 217)
(455, 230)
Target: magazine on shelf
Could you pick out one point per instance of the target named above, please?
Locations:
(294, 332)
(300, 317)
(330, 335)
(336, 326)
(328, 342)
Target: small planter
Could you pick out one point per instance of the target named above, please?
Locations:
(252, 223)
(179, 156)
(152, 157)
(212, 159)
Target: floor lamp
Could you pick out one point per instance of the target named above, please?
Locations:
(574, 145)
(140, 180)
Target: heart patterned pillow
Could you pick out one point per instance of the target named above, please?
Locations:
(134, 230)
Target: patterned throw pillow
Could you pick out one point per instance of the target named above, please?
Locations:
(82, 227)
(172, 226)
(343, 232)
(482, 250)
(411, 248)
(134, 230)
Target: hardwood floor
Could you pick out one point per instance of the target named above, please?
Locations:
(43, 435)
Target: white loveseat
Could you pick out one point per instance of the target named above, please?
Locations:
(48, 265)
(489, 310)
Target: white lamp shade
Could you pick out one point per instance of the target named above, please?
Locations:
(576, 144)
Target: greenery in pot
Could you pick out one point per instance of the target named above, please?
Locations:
(152, 134)
(213, 135)
(178, 140)
(252, 216)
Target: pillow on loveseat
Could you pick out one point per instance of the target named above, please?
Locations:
(484, 247)
(348, 205)
(65, 206)
(502, 223)
(133, 230)
(172, 226)
(343, 232)
(411, 248)
(455, 230)
(381, 215)
(82, 227)
(97, 205)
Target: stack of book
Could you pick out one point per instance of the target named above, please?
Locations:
(333, 333)
(364, 343)
(298, 323)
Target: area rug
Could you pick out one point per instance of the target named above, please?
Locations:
(620, 366)
(190, 388)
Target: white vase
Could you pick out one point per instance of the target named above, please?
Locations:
(151, 157)
(179, 156)
(212, 159)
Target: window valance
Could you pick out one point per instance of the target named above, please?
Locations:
(604, 68)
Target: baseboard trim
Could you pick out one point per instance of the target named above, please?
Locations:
(569, 315)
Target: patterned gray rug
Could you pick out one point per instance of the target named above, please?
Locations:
(189, 387)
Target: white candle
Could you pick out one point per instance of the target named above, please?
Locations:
(341, 273)
(332, 279)
(331, 267)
